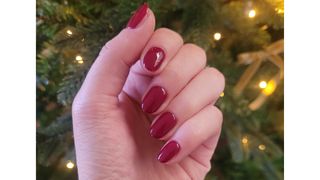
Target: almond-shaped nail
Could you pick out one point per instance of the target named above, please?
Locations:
(168, 151)
(137, 17)
(163, 125)
(153, 99)
(153, 59)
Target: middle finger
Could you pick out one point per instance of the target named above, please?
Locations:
(187, 63)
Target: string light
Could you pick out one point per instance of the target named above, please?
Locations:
(262, 84)
(262, 147)
(244, 140)
(252, 13)
(264, 27)
(222, 94)
(217, 36)
(279, 11)
(79, 58)
(70, 165)
(69, 32)
(271, 86)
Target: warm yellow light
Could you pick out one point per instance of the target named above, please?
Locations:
(279, 11)
(252, 13)
(271, 86)
(70, 165)
(263, 84)
(80, 62)
(222, 94)
(217, 36)
(262, 147)
(69, 32)
(264, 27)
(244, 140)
(79, 58)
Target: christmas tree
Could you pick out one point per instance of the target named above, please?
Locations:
(243, 39)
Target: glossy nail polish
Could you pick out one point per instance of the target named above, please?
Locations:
(138, 16)
(163, 125)
(153, 59)
(153, 99)
(168, 151)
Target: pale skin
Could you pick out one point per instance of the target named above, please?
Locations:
(111, 131)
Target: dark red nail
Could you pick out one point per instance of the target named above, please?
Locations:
(168, 151)
(153, 100)
(138, 16)
(163, 125)
(153, 58)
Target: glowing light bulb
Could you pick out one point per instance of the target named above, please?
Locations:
(263, 84)
(271, 86)
(70, 165)
(264, 27)
(262, 147)
(222, 94)
(217, 36)
(279, 10)
(244, 140)
(252, 13)
(79, 58)
(80, 62)
(69, 32)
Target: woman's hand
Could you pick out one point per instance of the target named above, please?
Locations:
(151, 118)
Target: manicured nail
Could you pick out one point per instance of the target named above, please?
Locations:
(163, 125)
(168, 151)
(138, 16)
(153, 100)
(153, 58)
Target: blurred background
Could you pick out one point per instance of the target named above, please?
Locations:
(242, 38)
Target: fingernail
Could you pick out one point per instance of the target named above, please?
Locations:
(163, 125)
(153, 58)
(138, 16)
(168, 151)
(153, 100)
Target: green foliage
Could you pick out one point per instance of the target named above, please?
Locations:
(94, 22)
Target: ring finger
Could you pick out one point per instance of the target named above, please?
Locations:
(204, 89)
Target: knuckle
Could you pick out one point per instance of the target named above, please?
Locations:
(216, 112)
(196, 53)
(196, 50)
(211, 71)
(169, 33)
(217, 75)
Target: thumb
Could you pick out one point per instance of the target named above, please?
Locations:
(109, 72)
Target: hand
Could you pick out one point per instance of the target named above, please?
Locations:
(151, 118)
